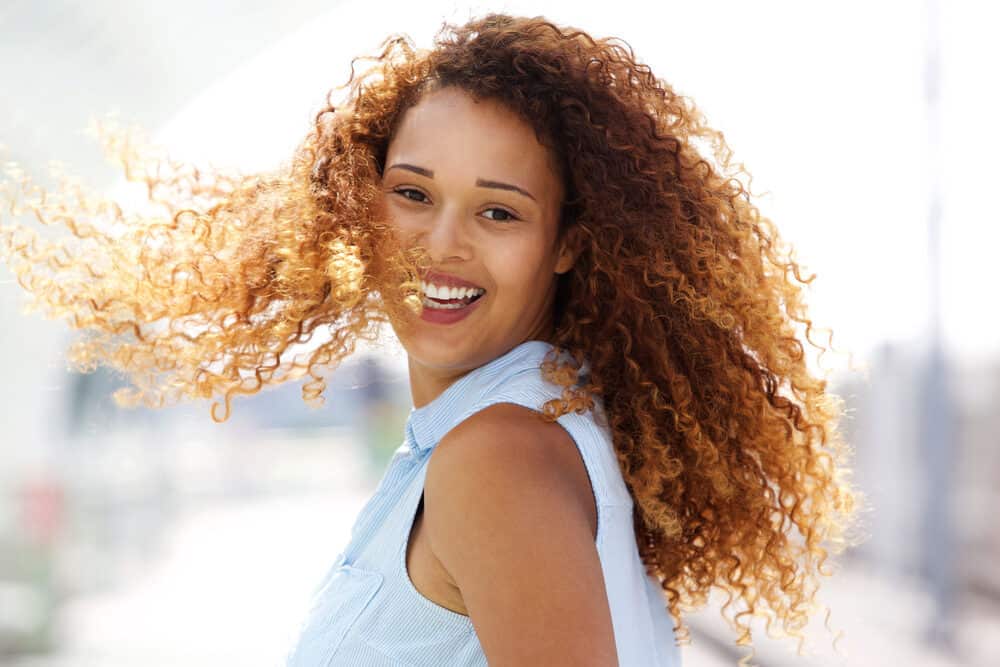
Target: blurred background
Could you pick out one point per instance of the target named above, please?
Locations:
(161, 538)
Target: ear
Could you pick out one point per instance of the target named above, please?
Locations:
(569, 249)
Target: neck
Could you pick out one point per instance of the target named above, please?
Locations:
(427, 382)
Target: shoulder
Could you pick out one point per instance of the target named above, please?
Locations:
(510, 448)
(506, 518)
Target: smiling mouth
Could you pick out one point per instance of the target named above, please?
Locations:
(450, 304)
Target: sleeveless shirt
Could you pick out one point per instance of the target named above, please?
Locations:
(366, 610)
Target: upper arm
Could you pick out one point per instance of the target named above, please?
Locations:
(512, 530)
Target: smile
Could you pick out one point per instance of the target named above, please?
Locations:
(449, 311)
(452, 303)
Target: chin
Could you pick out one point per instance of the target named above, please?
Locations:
(435, 351)
(444, 352)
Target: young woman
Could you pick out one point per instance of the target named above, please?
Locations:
(612, 411)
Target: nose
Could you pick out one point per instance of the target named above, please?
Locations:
(446, 236)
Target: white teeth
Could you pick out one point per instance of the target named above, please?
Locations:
(437, 305)
(444, 292)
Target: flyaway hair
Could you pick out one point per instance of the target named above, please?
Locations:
(684, 299)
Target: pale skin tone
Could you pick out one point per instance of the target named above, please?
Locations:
(505, 533)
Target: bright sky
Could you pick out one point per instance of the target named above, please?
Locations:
(824, 104)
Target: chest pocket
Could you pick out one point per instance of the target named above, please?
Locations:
(338, 603)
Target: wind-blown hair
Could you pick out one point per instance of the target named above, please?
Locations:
(683, 299)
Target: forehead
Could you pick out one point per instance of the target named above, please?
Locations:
(451, 132)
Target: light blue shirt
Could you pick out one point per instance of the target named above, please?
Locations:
(366, 611)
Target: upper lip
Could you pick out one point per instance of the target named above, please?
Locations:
(447, 280)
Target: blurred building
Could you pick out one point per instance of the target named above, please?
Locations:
(883, 425)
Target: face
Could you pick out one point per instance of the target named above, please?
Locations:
(470, 182)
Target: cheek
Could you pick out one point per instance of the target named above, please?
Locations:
(397, 217)
(518, 267)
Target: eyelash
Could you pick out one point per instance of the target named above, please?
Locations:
(400, 192)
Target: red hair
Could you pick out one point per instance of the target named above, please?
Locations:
(683, 298)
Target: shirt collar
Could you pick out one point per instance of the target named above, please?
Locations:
(429, 423)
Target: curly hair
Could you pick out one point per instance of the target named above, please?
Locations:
(683, 299)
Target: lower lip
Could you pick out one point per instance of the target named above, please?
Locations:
(449, 315)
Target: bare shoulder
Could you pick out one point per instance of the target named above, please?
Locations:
(509, 517)
(509, 441)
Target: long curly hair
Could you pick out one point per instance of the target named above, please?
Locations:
(683, 299)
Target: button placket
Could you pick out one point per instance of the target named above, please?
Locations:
(396, 476)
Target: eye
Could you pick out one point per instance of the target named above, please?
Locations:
(510, 216)
(402, 192)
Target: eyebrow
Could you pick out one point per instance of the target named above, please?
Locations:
(481, 182)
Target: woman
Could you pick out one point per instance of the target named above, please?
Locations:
(598, 324)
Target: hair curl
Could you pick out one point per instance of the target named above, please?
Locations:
(680, 299)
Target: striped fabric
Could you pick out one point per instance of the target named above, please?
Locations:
(366, 610)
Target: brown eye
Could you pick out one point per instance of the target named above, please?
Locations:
(509, 218)
(402, 192)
